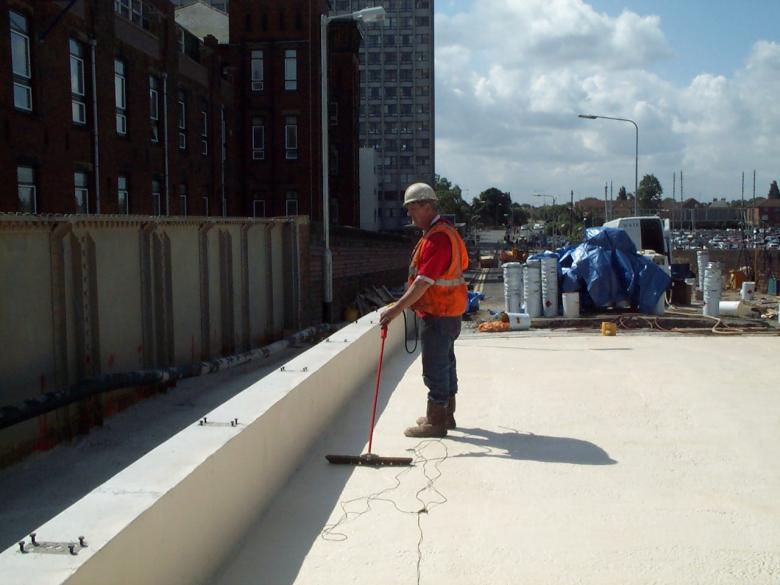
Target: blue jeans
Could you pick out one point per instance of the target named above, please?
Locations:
(437, 339)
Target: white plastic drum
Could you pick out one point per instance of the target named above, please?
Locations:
(660, 306)
(713, 283)
(519, 321)
(532, 288)
(748, 289)
(549, 270)
(571, 304)
(702, 258)
(513, 287)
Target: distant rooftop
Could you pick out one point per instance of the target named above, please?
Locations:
(201, 19)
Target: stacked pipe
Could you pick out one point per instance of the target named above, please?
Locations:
(513, 287)
(713, 282)
(702, 258)
(532, 288)
(549, 274)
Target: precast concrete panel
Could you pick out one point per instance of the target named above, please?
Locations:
(214, 292)
(26, 361)
(257, 259)
(118, 300)
(235, 265)
(277, 247)
(185, 276)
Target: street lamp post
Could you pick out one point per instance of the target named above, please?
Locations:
(374, 14)
(545, 210)
(636, 151)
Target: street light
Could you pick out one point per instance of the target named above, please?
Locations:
(374, 14)
(545, 210)
(636, 152)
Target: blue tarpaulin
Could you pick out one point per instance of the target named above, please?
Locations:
(607, 270)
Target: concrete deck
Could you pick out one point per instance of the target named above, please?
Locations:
(579, 459)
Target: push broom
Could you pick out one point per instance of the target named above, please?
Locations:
(372, 458)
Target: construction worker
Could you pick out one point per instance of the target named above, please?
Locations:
(438, 294)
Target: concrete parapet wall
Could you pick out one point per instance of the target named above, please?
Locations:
(88, 295)
(174, 515)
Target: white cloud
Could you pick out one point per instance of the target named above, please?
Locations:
(513, 74)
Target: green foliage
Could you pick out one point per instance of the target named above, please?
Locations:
(450, 199)
(491, 205)
(622, 195)
(774, 192)
(650, 192)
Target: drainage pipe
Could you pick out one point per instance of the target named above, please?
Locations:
(44, 403)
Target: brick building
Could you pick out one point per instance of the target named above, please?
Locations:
(174, 124)
(114, 109)
(274, 52)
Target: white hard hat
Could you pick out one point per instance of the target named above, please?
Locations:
(419, 192)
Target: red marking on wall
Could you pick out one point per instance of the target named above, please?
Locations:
(140, 348)
(110, 360)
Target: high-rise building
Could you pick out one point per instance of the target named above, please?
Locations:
(397, 98)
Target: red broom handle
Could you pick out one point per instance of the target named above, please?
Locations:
(383, 336)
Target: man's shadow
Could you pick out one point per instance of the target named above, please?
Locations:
(529, 447)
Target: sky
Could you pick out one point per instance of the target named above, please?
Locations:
(701, 78)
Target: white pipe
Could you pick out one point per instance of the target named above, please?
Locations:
(95, 133)
(165, 146)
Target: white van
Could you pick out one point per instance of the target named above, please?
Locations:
(647, 233)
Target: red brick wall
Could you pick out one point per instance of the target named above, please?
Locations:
(48, 140)
(360, 259)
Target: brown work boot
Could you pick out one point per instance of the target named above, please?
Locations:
(435, 425)
(450, 415)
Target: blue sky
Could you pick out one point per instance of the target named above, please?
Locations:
(701, 78)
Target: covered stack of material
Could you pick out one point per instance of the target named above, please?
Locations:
(607, 271)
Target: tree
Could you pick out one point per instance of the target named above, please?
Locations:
(622, 196)
(491, 206)
(450, 199)
(774, 192)
(650, 192)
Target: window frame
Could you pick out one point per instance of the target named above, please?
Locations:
(258, 150)
(123, 192)
(291, 131)
(290, 69)
(156, 197)
(78, 94)
(120, 95)
(81, 190)
(22, 81)
(257, 82)
(30, 187)
(154, 107)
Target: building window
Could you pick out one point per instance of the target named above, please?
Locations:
(204, 132)
(205, 200)
(256, 67)
(258, 208)
(20, 58)
(120, 97)
(154, 107)
(123, 196)
(258, 139)
(81, 191)
(77, 88)
(291, 137)
(182, 121)
(134, 11)
(156, 197)
(183, 199)
(25, 181)
(291, 69)
(291, 203)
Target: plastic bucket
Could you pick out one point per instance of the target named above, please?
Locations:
(549, 270)
(532, 288)
(513, 287)
(748, 289)
(571, 304)
(713, 284)
(519, 321)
